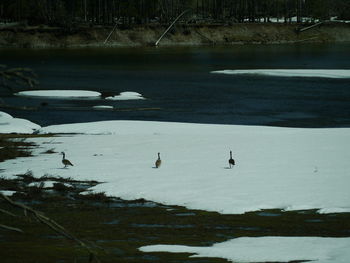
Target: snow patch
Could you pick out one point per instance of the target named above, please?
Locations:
(315, 73)
(102, 107)
(59, 93)
(268, 249)
(5, 116)
(333, 210)
(127, 95)
(96, 128)
(7, 192)
(275, 167)
(8, 124)
(46, 184)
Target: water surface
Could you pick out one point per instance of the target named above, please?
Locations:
(179, 87)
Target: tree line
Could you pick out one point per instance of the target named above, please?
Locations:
(109, 12)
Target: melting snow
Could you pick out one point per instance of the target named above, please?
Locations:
(8, 124)
(127, 95)
(59, 93)
(318, 73)
(7, 193)
(269, 249)
(275, 167)
(102, 107)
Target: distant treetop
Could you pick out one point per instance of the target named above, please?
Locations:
(68, 13)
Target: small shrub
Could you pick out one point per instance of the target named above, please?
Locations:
(27, 177)
(50, 151)
(60, 187)
(35, 191)
(186, 32)
(100, 197)
(8, 184)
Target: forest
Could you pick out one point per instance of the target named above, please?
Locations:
(127, 12)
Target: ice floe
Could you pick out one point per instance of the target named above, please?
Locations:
(127, 95)
(60, 93)
(102, 107)
(311, 73)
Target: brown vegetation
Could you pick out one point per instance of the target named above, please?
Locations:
(35, 37)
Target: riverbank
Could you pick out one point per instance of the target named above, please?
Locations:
(180, 35)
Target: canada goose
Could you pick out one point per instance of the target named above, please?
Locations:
(65, 161)
(231, 161)
(159, 161)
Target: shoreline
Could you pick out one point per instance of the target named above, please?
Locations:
(180, 35)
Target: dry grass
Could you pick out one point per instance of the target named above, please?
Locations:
(179, 35)
(16, 145)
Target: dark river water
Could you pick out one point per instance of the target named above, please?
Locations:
(179, 87)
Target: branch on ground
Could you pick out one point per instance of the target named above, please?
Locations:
(11, 228)
(48, 222)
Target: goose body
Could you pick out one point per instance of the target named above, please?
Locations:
(231, 162)
(65, 161)
(159, 161)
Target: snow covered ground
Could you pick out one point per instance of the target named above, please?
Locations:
(311, 73)
(8, 124)
(269, 249)
(284, 168)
